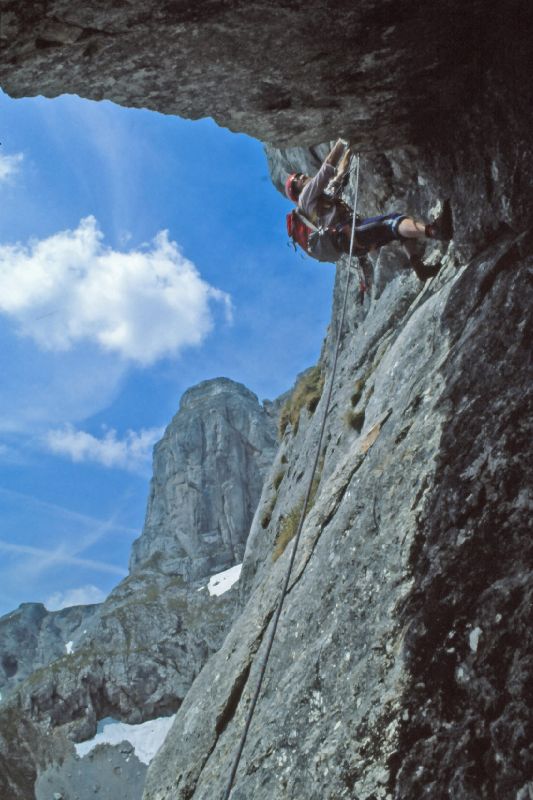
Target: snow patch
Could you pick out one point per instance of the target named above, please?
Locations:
(222, 581)
(68, 647)
(145, 738)
(473, 639)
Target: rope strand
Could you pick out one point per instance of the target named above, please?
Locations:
(277, 615)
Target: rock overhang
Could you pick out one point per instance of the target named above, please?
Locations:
(380, 72)
(483, 171)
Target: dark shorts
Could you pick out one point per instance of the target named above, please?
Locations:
(374, 232)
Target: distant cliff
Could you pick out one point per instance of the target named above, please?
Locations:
(31, 637)
(135, 655)
(208, 474)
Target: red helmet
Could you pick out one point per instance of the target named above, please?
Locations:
(290, 190)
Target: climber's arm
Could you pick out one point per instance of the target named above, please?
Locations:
(344, 163)
(335, 153)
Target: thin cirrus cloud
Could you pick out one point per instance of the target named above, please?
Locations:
(133, 452)
(140, 304)
(58, 513)
(10, 165)
(45, 559)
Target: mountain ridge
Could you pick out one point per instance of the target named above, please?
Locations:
(402, 663)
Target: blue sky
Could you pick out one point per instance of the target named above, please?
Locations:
(139, 254)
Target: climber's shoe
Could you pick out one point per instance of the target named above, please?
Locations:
(442, 227)
(424, 271)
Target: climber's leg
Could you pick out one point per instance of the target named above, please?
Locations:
(441, 228)
(409, 228)
(423, 271)
(373, 232)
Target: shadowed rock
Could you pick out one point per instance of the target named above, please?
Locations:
(403, 664)
(383, 72)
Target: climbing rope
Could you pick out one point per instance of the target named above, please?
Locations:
(284, 590)
(362, 283)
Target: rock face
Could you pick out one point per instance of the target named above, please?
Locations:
(110, 773)
(31, 637)
(291, 73)
(394, 672)
(402, 667)
(135, 655)
(208, 474)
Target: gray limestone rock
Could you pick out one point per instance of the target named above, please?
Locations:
(109, 772)
(135, 655)
(403, 663)
(208, 474)
(289, 73)
(31, 637)
(391, 675)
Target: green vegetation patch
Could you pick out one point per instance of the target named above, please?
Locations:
(277, 479)
(357, 391)
(289, 524)
(355, 419)
(307, 393)
(267, 513)
(287, 530)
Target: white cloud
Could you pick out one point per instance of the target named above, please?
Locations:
(131, 453)
(141, 304)
(83, 596)
(9, 165)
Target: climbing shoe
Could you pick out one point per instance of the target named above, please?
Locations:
(442, 227)
(423, 271)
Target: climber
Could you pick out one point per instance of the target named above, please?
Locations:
(320, 206)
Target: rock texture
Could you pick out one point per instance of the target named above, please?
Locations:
(285, 72)
(31, 637)
(403, 663)
(135, 655)
(208, 474)
(107, 772)
(394, 673)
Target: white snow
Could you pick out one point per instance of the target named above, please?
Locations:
(145, 738)
(68, 647)
(222, 581)
(473, 639)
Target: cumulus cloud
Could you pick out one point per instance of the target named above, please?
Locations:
(140, 304)
(9, 165)
(83, 596)
(132, 452)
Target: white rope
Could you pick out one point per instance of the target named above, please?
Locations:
(360, 272)
(277, 614)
